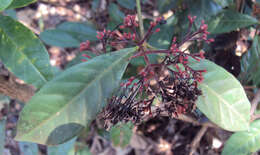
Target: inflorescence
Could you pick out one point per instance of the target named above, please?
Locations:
(170, 86)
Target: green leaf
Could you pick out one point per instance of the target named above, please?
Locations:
(223, 99)
(163, 38)
(56, 37)
(224, 3)
(61, 149)
(72, 99)
(2, 135)
(79, 149)
(128, 4)
(244, 142)
(115, 14)
(20, 3)
(28, 148)
(165, 5)
(4, 4)
(80, 31)
(78, 59)
(121, 134)
(69, 34)
(250, 63)
(203, 10)
(23, 53)
(228, 21)
(11, 13)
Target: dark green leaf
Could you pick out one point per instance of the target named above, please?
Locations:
(203, 10)
(78, 59)
(250, 64)
(121, 134)
(244, 142)
(223, 99)
(4, 4)
(80, 31)
(224, 3)
(128, 4)
(28, 148)
(166, 5)
(69, 34)
(2, 135)
(163, 38)
(11, 13)
(115, 14)
(62, 149)
(23, 53)
(72, 99)
(20, 3)
(228, 21)
(56, 37)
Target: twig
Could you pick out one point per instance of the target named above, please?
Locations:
(195, 142)
(254, 102)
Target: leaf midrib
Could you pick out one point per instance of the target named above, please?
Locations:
(22, 53)
(75, 97)
(224, 101)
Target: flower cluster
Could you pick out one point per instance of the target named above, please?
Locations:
(172, 82)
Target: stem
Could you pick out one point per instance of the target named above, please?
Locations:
(255, 102)
(140, 19)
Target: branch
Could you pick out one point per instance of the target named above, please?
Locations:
(10, 87)
(195, 142)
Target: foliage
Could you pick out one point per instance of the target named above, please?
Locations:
(250, 64)
(66, 103)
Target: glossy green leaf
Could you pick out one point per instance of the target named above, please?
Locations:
(62, 149)
(244, 142)
(228, 21)
(250, 63)
(115, 14)
(66, 104)
(121, 134)
(20, 3)
(223, 99)
(4, 4)
(69, 34)
(2, 135)
(23, 53)
(128, 4)
(28, 148)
